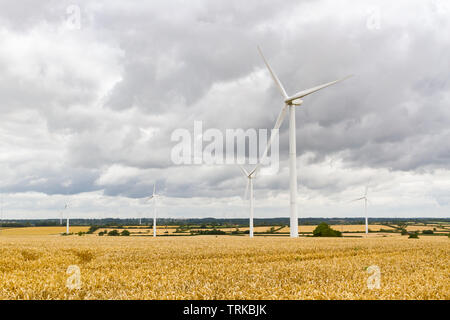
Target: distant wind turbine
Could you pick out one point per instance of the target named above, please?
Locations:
(66, 207)
(365, 208)
(154, 208)
(290, 102)
(1, 212)
(250, 176)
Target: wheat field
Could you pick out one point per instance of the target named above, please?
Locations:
(224, 267)
(33, 231)
(342, 228)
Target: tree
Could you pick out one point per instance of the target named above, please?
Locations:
(413, 236)
(92, 229)
(402, 225)
(125, 233)
(113, 233)
(324, 230)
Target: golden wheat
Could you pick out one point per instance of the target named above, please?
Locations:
(33, 231)
(223, 267)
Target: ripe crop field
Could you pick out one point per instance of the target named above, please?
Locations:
(342, 228)
(223, 267)
(141, 231)
(256, 229)
(40, 230)
(421, 228)
(362, 228)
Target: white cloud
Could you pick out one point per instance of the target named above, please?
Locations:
(117, 174)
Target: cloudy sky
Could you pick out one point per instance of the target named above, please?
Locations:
(91, 91)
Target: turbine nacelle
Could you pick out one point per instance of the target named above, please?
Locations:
(251, 174)
(297, 102)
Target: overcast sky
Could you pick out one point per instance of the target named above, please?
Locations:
(91, 91)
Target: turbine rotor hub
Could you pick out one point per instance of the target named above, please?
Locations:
(297, 102)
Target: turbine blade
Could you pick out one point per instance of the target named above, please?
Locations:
(154, 188)
(245, 172)
(357, 199)
(246, 189)
(365, 193)
(280, 118)
(278, 124)
(274, 76)
(253, 171)
(306, 92)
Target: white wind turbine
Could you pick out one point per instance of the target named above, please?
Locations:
(365, 208)
(250, 176)
(1, 212)
(66, 207)
(290, 102)
(154, 208)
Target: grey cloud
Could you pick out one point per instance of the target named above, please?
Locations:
(162, 65)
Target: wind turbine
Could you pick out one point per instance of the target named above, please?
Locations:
(250, 176)
(1, 212)
(290, 102)
(154, 208)
(66, 206)
(365, 208)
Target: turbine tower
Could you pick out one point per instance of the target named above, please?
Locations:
(66, 206)
(365, 208)
(290, 102)
(1, 212)
(250, 176)
(154, 209)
